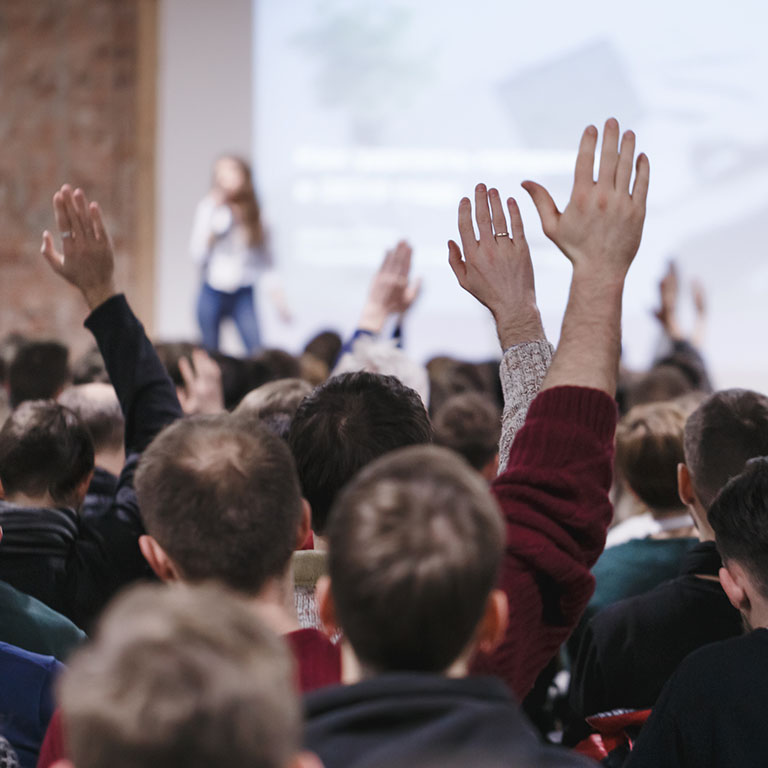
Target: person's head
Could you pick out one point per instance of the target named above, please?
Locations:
(721, 435)
(449, 377)
(46, 455)
(39, 371)
(415, 545)
(345, 424)
(649, 448)
(326, 346)
(181, 677)
(99, 409)
(739, 518)
(90, 368)
(220, 503)
(274, 405)
(470, 424)
(233, 183)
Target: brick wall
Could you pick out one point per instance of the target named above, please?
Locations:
(69, 112)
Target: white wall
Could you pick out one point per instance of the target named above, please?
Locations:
(205, 107)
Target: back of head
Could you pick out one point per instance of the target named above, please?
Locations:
(415, 544)
(45, 448)
(39, 371)
(97, 406)
(649, 447)
(345, 424)
(721, 435)
(272, 405)
(739, 517)
(326, 346)
(469, 424)
(90, 368)
(223, 503)
(181, 677)
(663, 382)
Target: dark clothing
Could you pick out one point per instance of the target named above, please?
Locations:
(29, 624)
(76, 565)
(711, 714)
(630, 649)
(26, 700)
(408, 720)
(101, 492)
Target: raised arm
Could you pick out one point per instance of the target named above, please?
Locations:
(497, 271)
(147, 396)
(599, 231)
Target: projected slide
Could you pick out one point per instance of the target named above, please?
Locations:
(374, 117)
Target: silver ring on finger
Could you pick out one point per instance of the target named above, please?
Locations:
(65, 235)
(502, 234)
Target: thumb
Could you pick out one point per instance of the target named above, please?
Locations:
(49, 251)
(545, 206)
(457, 264)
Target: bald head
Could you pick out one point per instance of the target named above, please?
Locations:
(98, 408)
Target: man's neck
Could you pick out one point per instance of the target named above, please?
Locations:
(111, 461)
(43, 501)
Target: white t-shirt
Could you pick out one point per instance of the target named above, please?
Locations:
(228, 262)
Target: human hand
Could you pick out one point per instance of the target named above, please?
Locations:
(497, 269)
(601, 227)
(87, 261)
(669, 292)
(390, 292)
(202, 391)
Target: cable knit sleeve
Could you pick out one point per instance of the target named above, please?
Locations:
(522, 372)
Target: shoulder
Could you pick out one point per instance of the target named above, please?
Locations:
(16, 663)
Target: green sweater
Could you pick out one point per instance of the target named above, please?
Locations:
(33, 626)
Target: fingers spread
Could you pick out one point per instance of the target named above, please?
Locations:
(585, 159)
(482, 213)
(97, 222)
(76, 227)
(62, 218)
(497, 212)
(49, 251)
(609, 156)
(187, 374)
(466, 230)
(642, 175)
(626, 156)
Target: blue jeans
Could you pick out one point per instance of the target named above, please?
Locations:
(214, 306)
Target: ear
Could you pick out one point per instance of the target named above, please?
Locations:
(326, 608)
(82, 488)
(2, 491)
(685, 486)
(491, 469)
(63, 764)
(304, 760)
(1, 534)
(158, 560)
(736, 586)
(305, 524)
(493, 624)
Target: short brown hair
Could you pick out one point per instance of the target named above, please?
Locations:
(415, 545)
(469, 424)
(99, 409)
(273, 404)
(721, 435)
(224, 504)
(181, 676)
(649, 446)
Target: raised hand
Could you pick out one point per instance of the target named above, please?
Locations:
(202, 391)
(390, 292)
(86, 259)
(669, 294)
(497, 269)
(601, 227)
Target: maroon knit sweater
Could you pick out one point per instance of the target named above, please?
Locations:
(554, 499)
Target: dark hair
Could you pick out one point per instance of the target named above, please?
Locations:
(721, 435)
(649, 447)
(44, 447)
(739, 518)
(39, 371)
(222, 502)
(345, 424)
(449, 377)
(97, 406)
(415, 545)
(326, 346)
(272, 365)
(470, 425)
(90, 368)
